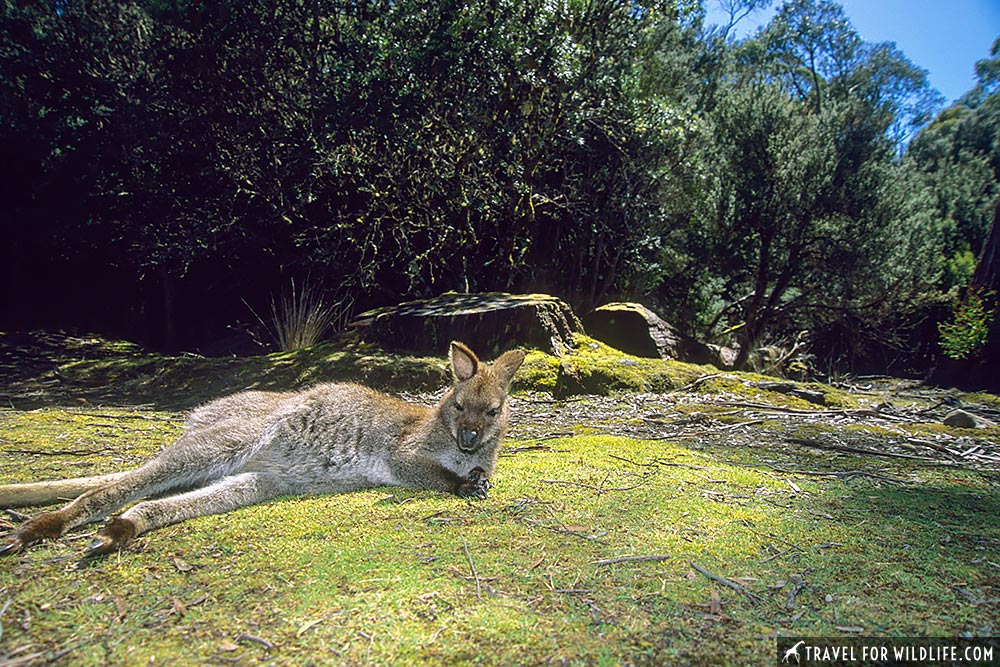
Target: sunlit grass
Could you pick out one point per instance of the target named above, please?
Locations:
(390, 576)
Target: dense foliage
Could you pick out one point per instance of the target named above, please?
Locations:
(168, 162)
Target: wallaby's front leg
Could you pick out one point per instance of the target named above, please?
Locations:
(421, 472)
(476, 485)
(225, 495)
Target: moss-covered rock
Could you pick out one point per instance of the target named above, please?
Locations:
(637, 330)
(491, 323)
(591, 367)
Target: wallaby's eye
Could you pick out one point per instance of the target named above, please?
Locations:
(459, 406)
(494, 412)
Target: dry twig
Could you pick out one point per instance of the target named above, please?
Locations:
(245, 637)
(630, 559)
(792, 594)
(809, 442)
(726, 582)
(475, 575)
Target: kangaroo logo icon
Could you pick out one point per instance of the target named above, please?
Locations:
(793, 653)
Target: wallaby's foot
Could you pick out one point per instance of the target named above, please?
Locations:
(11, 545)
(475, 486)
(112, 536)
(45, 526)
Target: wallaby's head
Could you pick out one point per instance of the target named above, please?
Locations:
(475, 410)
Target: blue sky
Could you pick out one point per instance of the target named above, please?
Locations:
(944, 37)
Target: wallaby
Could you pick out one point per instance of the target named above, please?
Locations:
(254, 446)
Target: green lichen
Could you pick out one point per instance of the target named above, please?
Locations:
(540, 372)
(592, 367)
(392, 576)
(85, 370)
(402, 577)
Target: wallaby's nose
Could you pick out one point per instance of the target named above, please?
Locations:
(468, 437)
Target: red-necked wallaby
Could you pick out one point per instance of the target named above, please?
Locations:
(254, 446)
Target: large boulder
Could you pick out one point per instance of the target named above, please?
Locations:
(635, 329)
(489, 323)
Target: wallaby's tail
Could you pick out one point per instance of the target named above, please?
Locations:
(45, 493)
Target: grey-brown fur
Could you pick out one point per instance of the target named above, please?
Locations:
(254, 446)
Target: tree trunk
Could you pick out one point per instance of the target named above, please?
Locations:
(169, 332)
(980, 372)
(754, 317)
(987, 275)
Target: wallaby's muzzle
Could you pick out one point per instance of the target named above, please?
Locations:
(468, 439)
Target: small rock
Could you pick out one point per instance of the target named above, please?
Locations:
(963, 419)
(637, 330)
(791, 389)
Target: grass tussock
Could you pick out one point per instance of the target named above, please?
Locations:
(304, 316)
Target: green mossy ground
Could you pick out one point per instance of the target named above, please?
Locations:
(822, 542)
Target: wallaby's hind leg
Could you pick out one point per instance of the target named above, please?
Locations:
(48, 525)
(227, 494)
(200, 456)
(89, 506)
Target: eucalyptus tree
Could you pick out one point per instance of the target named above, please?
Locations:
(957, 158)
(511, 146)
(202, 151)
(803, 222)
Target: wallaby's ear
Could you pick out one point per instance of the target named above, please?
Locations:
(464, 363)
(507, 365)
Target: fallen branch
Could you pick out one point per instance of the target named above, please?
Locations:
(779, 554)
(18, 516)
(792, 389)
(550, 436)
(726, 582)
(841, 474)
(598, 489)
(629, 559)
(732, 427)
(702, 379)
(651, 464)
(59, 452)
(855, 412)
(2, 612)
(808, 442)
(510, 451)
(596, 537)
(574, 591)
(973, 598)
(144, 418)
(792, 594)
(26, 660)
(932, 445)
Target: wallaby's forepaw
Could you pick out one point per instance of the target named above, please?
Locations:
(475, 486)
(44, 526)
(112, 536)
